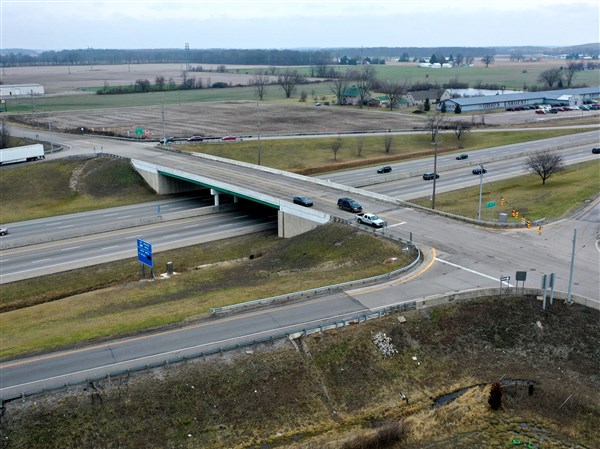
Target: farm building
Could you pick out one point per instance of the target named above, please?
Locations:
(416, 97)
(472, 92)
(563, 97)
(15, 90)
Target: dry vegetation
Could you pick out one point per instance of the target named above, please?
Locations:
(336, 390)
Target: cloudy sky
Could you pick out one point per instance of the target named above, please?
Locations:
(55, 25)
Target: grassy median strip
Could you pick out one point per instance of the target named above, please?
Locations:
(562, 194)
(315, 155)
(108, 300)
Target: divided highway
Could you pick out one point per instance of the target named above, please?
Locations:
(459, 257)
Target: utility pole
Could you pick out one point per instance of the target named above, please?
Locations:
(435, 143)
(163, 123)
(480, 191)
(258, 126)
(572, 265)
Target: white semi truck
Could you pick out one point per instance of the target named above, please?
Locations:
(22, 154)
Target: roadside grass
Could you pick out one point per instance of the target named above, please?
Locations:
(106, 301)
(68, 186)
(314, 155)
(563, 194)
(336, 390)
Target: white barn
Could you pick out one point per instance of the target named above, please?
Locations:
(16, 90)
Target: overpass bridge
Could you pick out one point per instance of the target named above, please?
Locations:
(172, 172)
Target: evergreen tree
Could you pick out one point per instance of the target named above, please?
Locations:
(426, 105)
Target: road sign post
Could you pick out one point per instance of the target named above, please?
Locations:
(145, 256)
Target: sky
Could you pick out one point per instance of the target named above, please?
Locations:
(243, 24)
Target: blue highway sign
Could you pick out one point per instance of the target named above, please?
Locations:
(145, 253)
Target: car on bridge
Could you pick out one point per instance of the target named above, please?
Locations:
(430, 175)
(303, 201)
(349, 205)
(370, 219)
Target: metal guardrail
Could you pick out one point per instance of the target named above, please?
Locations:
(218, 311)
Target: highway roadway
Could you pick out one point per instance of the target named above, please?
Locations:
(459, 257)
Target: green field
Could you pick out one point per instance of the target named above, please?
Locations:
(309, 156)
(562, 194)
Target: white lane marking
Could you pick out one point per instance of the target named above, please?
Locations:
(69, 249)
(469, 270)
(125, 216)
(53, 223)
(174, 351)
(65, 226)
(397, 224)
(110, 215)
(39, 260)
(190, 226)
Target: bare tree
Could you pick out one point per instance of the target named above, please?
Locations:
(550, 76)
(570, 71)
(4, 135)
(487, 60)
(458, 60)
(288, 80)
(260, 82)
(387, 142)
(338, 86)
(336, 145)
(160, 82)
(365, 80)
(394, 91)
(460, 129)
(545, 163)
(360, 143)
(434, 122)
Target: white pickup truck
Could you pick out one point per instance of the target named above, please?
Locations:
(370, 219)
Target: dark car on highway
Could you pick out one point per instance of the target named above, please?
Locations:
(430, 176)
(479, 171)
(385, 169)
(460, 157)
(196, 139)
(303, 201)
(349, 204)
(596, 150)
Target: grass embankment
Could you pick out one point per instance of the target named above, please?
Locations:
(562, 194)
(338, 391)
(106, 300)
(37, 190)
(310, 156)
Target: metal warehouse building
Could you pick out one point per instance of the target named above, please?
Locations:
(15, 90)
(563, 97)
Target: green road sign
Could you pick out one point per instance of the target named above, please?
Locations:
(490, 204)
(139, 131)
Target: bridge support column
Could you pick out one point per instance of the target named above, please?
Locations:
(215, 193)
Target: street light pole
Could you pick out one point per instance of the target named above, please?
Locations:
(435, 143)
(480, 191)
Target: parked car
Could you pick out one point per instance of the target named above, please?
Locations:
(540, 111)
(3, 231)
(596, 150)
(303, 201)
(460, 157)
(349, 204)
(385, 169)
(479, 171)
(196, 139)
(429, 176)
